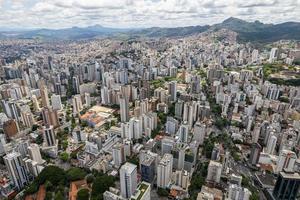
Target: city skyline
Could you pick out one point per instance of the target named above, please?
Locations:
(33, 14)
(150, 99)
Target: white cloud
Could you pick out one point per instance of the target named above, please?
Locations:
(142, 13)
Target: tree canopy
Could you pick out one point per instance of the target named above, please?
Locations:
(101, 184)
(83, 194)
(75, 174)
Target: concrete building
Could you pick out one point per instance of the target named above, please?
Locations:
(128, 179)
(286, 161)
(44, 96)
(236, 192)
(173, 90)
(271, 145)
(214, 172)
(143, 192)
(255, 153)
(77, 104)
(56, 102)
(16, 168)
(118, 153)
(35, 154)
(287, 186)
(148, 167)
(78, 135)
(164, 171)
(49, 136)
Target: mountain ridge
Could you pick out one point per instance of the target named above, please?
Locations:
(247, 31)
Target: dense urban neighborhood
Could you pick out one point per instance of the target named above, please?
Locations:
(201, 116)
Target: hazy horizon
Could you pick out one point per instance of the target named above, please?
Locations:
(115, 27)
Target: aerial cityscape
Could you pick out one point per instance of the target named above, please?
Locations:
(149, 99)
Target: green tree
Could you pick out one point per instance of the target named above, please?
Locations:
(31, 189)
(220, 123)
(53, 174)
(84, 124)
(39, 140)
(64, 156)
(83, 194)
(101, 184)
(133, 160)
(162, 192)
(59, 196)
(162, 117)
(49, 186)
(75, 174)
(254, 196)
(48, 196)
(34, 127)
(64, 144)
(90, 179)
(73, 155)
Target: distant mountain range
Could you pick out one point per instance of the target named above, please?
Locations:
(63, 34)
(247, 31)
(260, 32)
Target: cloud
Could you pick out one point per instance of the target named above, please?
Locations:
(142, 13)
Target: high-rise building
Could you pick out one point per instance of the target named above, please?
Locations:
(21, 146)
(87, 98)
(286, 160)
(58, 88)
(171, 125)
(135, 128)
(273, 55)
(167, 144)
(215, 154)
(56, 102)
(27, 118)
(164, 171)
(235, 179)
(179, 109)
(49, 136)
(75, 84)
(50, 117)
(287, 186)
(35, 102)
(271, 145)
(142, 192)
(124, 108)
(17, 170)
(173, 90)
(199, 132)
(149, 122)
(214, 172)
(255, 55)
(35, 154)
(255, 153)
(10, 128)
(181, 178)
(10, 109)
(2, 143)
(128, 179)
(161, 94)
(147, 165)
(236, 192)
(118, 154)
(45, 97)
(77, 104)
(78, 135)
(183, 133)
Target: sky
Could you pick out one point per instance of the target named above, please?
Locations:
(57, 14)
